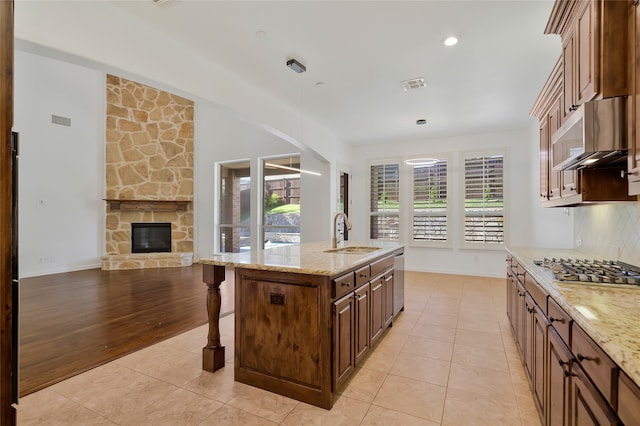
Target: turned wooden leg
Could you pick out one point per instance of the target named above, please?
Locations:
(213, 353)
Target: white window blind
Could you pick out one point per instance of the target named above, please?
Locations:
(484, 201)
(384, 202)
(430, 202)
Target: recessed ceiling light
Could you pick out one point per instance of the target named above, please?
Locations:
(421, 121)
(451, 41)
(261, 34)
(319, 83)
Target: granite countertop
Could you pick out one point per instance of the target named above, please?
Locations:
(305, 258)
(608, 313)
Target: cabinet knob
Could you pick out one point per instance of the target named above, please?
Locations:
(531, 310)
(568, 373)
(562, 362)
(346, 284)
(583, 357)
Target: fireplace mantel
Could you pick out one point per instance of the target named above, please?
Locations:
(147, 205)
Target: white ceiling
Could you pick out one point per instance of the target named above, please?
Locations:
(362, 50)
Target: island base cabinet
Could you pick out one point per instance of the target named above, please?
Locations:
(343, 337)
(283, 334)
(363, 322)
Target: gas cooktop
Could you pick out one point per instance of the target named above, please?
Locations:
(595, 271)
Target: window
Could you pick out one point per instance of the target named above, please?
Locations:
(281, 208)
(235, 207)
(430, 202)
(484, 201)
(384, 202)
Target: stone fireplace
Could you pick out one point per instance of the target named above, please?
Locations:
(149, 172)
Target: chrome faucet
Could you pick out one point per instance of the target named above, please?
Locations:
(347, 224)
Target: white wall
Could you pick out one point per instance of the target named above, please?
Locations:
(526, 223)
(61, 170)
(223, 136)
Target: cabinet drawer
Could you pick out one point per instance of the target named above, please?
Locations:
(363, 275)
(536, 292)
(343, 285)
(560, 321)
(380, 266)
(598, 366)
(628, 401)
(520, 273)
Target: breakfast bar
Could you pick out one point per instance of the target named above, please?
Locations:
(305, 315)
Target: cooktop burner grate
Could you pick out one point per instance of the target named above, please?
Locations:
(596, 271)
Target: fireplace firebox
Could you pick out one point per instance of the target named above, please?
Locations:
(150, 237)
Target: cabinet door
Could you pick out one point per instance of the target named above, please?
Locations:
(634, 102)
(343, 339)
(568, 77)
(557, 378)
(545, 160)
(388, 299)
(529, 306)
(377, 309)
(588, 407)
(362, 321)
(519, 312)
(539, 340)
(554, 118)
(586, 49)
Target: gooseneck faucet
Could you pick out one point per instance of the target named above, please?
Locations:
(347, 224)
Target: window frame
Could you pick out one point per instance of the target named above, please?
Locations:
(464, 244)
(370, 214)
(409, 170)
(218, 224)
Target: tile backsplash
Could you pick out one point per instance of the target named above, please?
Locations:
(610, 231)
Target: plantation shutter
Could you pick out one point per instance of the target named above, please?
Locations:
(384, 202)
(430, 202)
(484, 201)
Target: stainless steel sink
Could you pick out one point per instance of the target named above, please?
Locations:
(353, 249)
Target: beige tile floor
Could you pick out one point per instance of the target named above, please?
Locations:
(449, 359)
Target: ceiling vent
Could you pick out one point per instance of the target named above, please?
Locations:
(414, 83)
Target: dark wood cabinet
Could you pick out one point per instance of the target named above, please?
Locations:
(388, 298)
(362, 336)
(558, 363)
(540, 325)
(628, 401)
(377, 309)
(573, 381)
(587, 406)
(593, 65)
(343, 338)
(633, 105)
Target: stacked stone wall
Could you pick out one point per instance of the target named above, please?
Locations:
(149, 156)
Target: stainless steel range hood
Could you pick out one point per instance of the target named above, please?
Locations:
(595, 135)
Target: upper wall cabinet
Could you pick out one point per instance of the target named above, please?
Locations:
(633, 106)
(594, 49)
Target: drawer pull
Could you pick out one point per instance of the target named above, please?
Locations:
(346, 284)
(552, 319)
(531, 310)
(584, 357)
(568, 373)
(562, 362)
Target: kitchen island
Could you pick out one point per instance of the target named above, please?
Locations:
(305, 315)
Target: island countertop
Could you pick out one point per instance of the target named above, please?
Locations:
(608, 313)
(306, 258)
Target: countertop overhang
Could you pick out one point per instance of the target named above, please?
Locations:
(305, 258)
(608, 313)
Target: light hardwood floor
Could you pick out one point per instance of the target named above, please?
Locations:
(449, 359)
